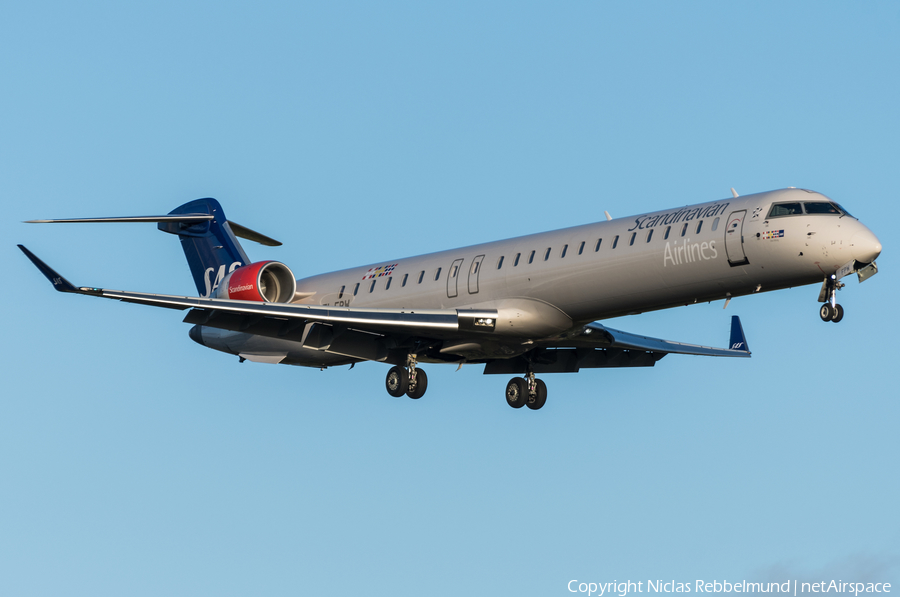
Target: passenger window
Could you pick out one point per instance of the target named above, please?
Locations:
(821, 208)
(615, 241)
(597, 248)
(650, 235)
(372, 287)
(565, 248)
(581, 248)
(633, 235)
(684, 229)
(531, 258)
(405, 276)
(437, 274)
(516, 262)
(388, 283)
(356, 289)
(699, 226)
(547, 254)
(500, 262)
(785, 209)
(341, 293)
(668, 230)
(421, 276)
(715, 225)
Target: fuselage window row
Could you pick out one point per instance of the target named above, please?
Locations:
(563, 252)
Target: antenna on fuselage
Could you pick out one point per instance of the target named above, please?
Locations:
(734, 193)
(608, 217)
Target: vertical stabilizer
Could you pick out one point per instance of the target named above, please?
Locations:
(210, 246)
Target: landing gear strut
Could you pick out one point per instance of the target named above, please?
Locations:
(831, 311)
(526, 391)
(407, 380)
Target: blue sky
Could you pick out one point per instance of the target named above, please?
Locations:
(134, 461)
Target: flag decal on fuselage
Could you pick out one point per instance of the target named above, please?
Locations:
(378, 272)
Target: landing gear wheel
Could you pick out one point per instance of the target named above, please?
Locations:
(421, 385)
(838, 313)
(397, 381)
(540, 397)
(826, 312)
(516, 392)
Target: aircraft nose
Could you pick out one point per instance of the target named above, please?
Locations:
(865, 246)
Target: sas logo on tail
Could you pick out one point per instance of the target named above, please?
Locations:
(212, 284)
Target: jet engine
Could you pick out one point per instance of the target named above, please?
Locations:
(268, 281)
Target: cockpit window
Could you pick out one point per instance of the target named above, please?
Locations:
(843, 211)
(821, 207)
(785, 209)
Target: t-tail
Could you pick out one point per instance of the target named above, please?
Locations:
(209, 244)
(208, 239)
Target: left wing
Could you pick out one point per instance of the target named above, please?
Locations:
(430, 322)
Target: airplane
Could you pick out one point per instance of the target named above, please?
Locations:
(522, 306)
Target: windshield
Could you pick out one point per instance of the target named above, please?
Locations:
(795, 208)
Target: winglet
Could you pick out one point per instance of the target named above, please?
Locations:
(738, 341)
(59, 283)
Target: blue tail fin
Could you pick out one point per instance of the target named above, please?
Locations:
(211, 248)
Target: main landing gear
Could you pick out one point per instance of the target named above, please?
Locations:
(831, 311)
(526, 391)
(407, 380)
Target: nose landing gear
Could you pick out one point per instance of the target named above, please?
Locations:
(406, 380)
(527, 391)
(831, 311)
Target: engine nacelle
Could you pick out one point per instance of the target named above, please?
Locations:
(269, 281)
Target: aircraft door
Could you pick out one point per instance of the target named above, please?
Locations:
(474, 272)
(734, 238)
(453, 278)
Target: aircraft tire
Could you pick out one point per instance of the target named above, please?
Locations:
(541, 395)
(421, 385)
(516, 392)
(838, 313)
(397, 381)
(826, 312)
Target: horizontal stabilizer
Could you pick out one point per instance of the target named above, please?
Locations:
(239, 231)
(243, 232)
(128, 219)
